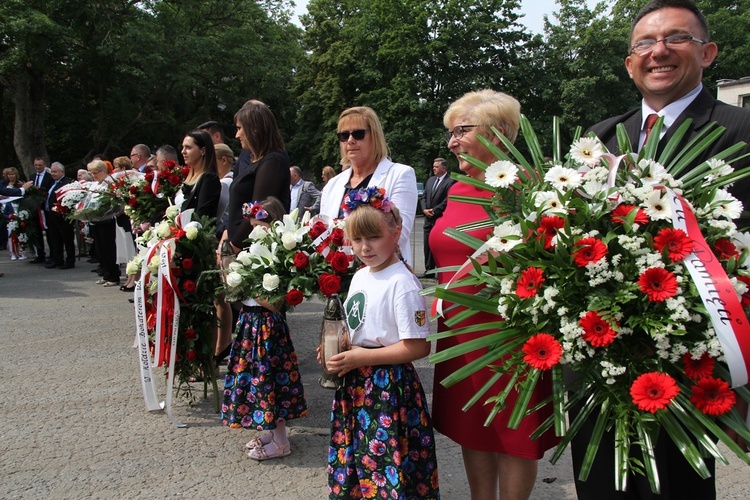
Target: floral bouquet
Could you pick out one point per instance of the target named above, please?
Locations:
(69, 196)
(174, 297)
(292, 260)
(18, 230)
(147, 197)
(626, 270)
(88, 202)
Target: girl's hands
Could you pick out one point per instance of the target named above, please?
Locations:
(346, 361)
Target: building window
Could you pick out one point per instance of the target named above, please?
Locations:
(745, 101)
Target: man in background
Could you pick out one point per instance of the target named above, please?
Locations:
(434, 199)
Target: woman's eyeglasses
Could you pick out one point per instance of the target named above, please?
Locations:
(457, 132)
(357, 134)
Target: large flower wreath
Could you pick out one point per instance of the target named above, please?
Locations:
(630, 272)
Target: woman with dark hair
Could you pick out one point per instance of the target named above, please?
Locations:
(267, 175)
(201, 189)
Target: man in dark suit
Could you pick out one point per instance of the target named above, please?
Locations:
(60, 231)
(304, 195)
(669, 48)
(434, 199)
(139, 156)
(42, 180)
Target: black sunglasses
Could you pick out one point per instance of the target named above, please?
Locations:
(357, 134)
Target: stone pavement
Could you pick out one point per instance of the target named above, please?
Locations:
(73, 422)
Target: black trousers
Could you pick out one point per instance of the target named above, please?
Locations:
(61, 238)
(37, 234)
(106, 250)
(678, 479)
(429, 260)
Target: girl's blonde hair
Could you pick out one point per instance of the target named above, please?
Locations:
(367, 221)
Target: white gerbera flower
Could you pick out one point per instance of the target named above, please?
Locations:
(725, 205)
(651, 172)
(505, 236)
(549, 202)
(741, 241)
(501, 174)
(719, 169)
(587, 150)
(563, 178)
(656, 207)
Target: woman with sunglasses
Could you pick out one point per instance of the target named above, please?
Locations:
(363, 148)
(499, 462)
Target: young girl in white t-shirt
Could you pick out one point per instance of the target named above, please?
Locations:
(382, 444)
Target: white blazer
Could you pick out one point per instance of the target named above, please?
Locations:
(400, 183)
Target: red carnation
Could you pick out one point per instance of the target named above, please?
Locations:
(547, 230)
(339, 262)
(187, 263)
(529, 281)
(653, 391)
(329, 283)
(294, 297)
(192, 355)
(542, 351)
(190, 334)
(149, 177)
(174, 179)
(317, 229)
(746, 295)
(622, 211)
(676, 241)
(589, 250)
(189, 286)
(133, 190)
(725, 249)
(147, 188)
(301, 260)
(658, 283)
(169, 164)
(133, 202)
(337, 236)
(713, 396)
(697, 369)
(597, 331)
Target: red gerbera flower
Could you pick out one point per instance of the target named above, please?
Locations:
(597, 331)
(547, 230)
(653, 391)
(658, 283)
(697, 369)
(676, 241)
(725, 249)
(589, 250)
(529, 281)
(621, 211)
(542, 351)
(746, 295)
(713, 396)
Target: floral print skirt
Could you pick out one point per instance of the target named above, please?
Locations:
(382, 444)
(263, 382)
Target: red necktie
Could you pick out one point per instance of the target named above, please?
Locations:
(650, 121)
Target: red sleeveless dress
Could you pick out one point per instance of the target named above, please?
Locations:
(467, 428)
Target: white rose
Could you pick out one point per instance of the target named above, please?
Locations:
(244, 258)
(163, 230)
(173, 211)
(153, 264)
(134, 266)
(234, 279)
(191, 230)
(270, 282)
(235, 266)
(289, 240)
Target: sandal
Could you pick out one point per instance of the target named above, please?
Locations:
(261, 454)
(257, 442)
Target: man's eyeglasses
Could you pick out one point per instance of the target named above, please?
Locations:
(671, 42)
(457, 132)
(134, 154)
(357, 134)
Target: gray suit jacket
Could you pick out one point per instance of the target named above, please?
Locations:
(308, 196)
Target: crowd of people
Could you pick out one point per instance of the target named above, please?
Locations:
(382, 442)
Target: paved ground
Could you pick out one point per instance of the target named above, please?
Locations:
(73, 422)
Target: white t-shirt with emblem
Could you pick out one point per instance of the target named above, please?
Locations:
(384, 307)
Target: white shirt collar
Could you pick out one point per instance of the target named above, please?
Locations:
(671, 111)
